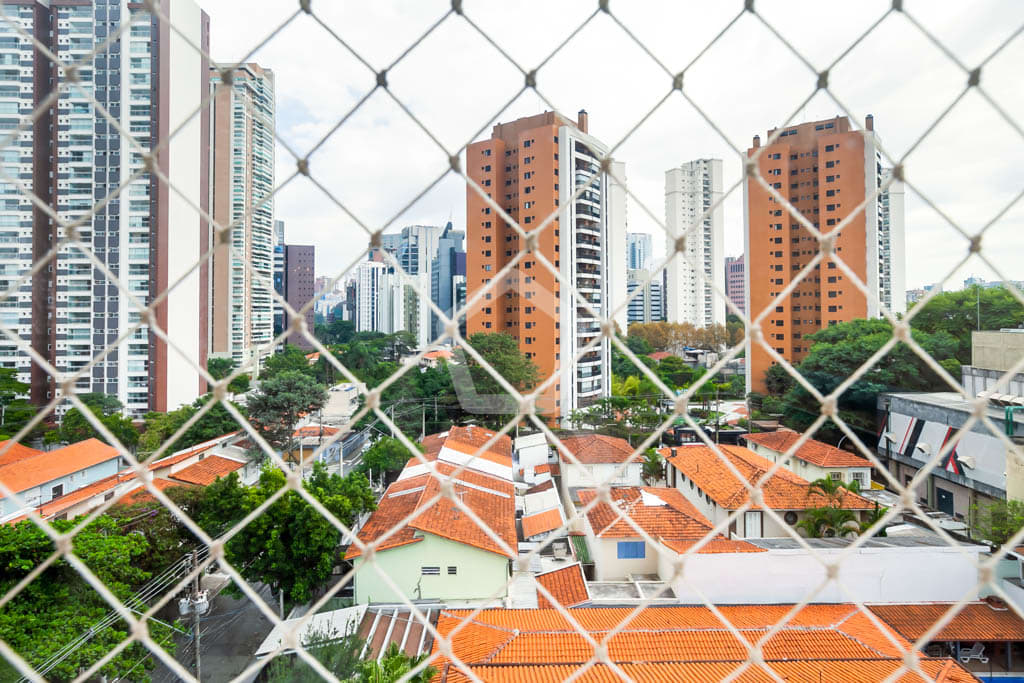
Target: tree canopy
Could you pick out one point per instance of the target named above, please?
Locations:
(961, 312)
(275, 408)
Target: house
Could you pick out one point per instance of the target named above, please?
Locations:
(472, 447)
(599, 458)
(311, 437)
(433, 359)
(39, 478)
(567, 585)
(704, 478)
(440, 553)
(813, 460)
(532, 450)
(813, 643)
(617, 548)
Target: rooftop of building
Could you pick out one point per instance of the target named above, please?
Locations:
(208, 470)
(976, 621)
(813, 451)
(567, 585)
(542, 522)
(783, 490)
(660, 512)
(950, 400)
(12, 451)
(596, 449)
(29, 472)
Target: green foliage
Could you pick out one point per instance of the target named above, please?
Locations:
(394, 665)
(17, 411)
(653, 467)
(266, 549)
(159, 427)
(339, 655)
(502, 352)
(777, 381)
(386, 455)
(957, 314)
(639, 345)
(838, 351)
(74, 427)
(675, 373)
(59, 606)
(276, 407)
(291, 359)
(827, 522)
(335, 332)
(998, 521)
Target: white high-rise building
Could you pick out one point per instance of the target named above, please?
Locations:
(690, 190)
(892, 284)
(380, 298)
(638, 251)
(647, 305)
(617, 249)
(242, 143)
(150, 237)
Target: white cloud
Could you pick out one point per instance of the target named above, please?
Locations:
(971, 164)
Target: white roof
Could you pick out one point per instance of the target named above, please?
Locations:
(339, 621)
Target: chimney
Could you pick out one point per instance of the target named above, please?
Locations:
(869, 122)
(581, 120)
(757, 141)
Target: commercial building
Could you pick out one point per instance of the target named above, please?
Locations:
(639, 252)
(690, 191)
(299, 288)
(649, 305)
(528, 167)
(241, 308)
(826, 170)
(380, 298)
(447, 269)
(734, 278)
(71, 157)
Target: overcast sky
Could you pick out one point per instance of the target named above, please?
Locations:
(971, 165)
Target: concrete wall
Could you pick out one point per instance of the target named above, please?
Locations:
(996, 350)
(575, 476)
(868, 574)
(976, 380)
(481, 575)
(608, 566)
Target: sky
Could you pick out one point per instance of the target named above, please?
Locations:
(385, 170)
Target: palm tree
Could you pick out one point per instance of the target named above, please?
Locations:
(827, 522)
(392, 666)
(832, 489)
(654, 466)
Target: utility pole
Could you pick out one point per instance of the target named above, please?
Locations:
(423, 421)
(977, 289)
(195, 610)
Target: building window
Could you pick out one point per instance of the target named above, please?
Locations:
(632, 550)
(835, 476)
(430, 571)
(57, 491)
(452, 571)
(859, 478)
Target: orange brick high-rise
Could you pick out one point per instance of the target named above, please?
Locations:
(825, 169)
(527, 166)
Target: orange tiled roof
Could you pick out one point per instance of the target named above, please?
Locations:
(541, 469)
(186, 453)
(675, 633)
(593, 449)
(208, 470)
(543, 486)
(489, 497)
(782, 491)
(660, 355)
(49, 465)
(440, 353)
(813, 451)
(566, 585)
(58, 505)
(677, 518)
(812, 671)
(718, 544)
(541, 522)
(975, 622)
(315, 430)
(468, 440)
(142, 494)
(15, 452)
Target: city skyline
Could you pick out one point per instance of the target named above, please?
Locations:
(672, 134)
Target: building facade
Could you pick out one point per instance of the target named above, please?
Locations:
(638, 251)
(72, 158)
(299, 287)
(278, 309)
(380, 298)
(648, 306)
(444, 271)
(696, 271)
(527, 166)
(242, 143)
(826, 170)
(734, 277)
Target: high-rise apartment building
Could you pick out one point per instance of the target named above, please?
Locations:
(529, 166)
(690, 191)
(299, 286)
(826, 170)
(416, 252)
(648, 305)
(443, 273)
(380, 298)
(151, 80)
(242, 145)
(734, 279)
(278, 309)
(638, 251)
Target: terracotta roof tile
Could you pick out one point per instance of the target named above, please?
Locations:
(680, 634)
(208, 470)
(541, 469)
(677, 518)
(315, 430)
(542, 522)
(593, 449)
(846, 670)
(975, 622)
(15, 452)
(490, 498)
(566, 585)
(186, 453)
(467, 440)
(813, 451)
(142, 494)
(660, 355)
(718, 544)
(543, 486)
(782, 491)
(49, 465)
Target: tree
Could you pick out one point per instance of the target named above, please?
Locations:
(502, 353)
(386, 455)
(339, 655)
(959, 313)
(393, 666)
(74, 427)
(15, 411)
(292, 358)
(777, 381)
(828, 522)
(674, 372)
(159, 427)
(276, 407)
(998, 521)
(654, 467)
(219, 368)
(267, 548)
